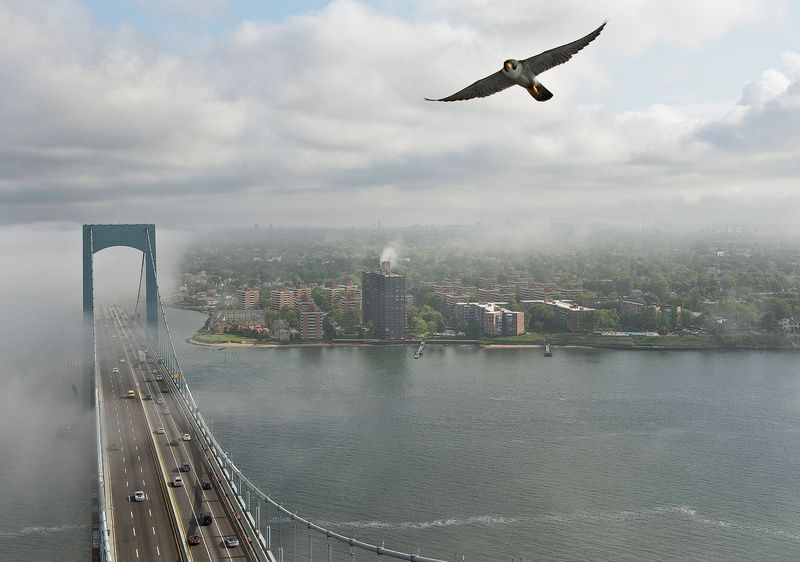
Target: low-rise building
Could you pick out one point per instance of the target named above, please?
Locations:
(493, 319)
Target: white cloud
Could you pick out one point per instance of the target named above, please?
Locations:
(319, 119)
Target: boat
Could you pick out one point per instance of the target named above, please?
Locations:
(418, 353)
(547, 351)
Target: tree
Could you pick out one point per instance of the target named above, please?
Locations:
(605, 319)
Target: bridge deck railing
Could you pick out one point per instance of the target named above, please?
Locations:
(168, 356)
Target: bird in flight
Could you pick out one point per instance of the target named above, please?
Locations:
(524, 72)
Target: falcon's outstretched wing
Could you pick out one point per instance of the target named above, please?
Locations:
(548, 59)
(485, 87)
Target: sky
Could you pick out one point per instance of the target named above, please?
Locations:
(218, 113)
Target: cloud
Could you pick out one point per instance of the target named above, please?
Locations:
(319, 119)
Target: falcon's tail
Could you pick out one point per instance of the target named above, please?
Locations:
(540, 93)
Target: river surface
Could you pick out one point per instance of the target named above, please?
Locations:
(500, 453)
(481, 453)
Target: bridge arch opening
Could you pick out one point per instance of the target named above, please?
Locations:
(97, 237)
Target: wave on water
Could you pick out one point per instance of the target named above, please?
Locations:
(37, 529)
(572, 517)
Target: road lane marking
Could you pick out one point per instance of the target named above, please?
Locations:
(150, 512)
(126, 484)
(134, 533)
(158, 550)
(154, 530)
(131, 514)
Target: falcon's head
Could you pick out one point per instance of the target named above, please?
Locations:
(512, 68)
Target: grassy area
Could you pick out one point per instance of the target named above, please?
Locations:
(728, 341)
(221, 338)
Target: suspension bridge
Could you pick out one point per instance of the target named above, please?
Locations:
(167, 489)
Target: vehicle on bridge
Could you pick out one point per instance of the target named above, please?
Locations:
(115, 370)
(185, 467)
(160, 430)
(186, 437)
(131, 394)
(177, 482)
(231, 542)
(194, 540)
(138, 496)
(205, 518)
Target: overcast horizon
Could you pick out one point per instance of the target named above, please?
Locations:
(222, 113)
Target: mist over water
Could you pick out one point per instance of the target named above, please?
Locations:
(47, 481)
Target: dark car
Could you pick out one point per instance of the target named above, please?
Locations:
(185, 467)
(194, 540)
(205, 484)
(205, 518)
(173, 442)
(148, 397)
(164, 390)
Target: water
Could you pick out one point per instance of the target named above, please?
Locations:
(493, 454)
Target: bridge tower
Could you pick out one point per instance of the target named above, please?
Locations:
(97, 237)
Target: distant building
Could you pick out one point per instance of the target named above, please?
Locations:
(573, 317)
(493, 319)
(791, 325)
(247, 298)
(383, 302)
(280, 330)
(630, 306)
(282, 298)
(311, 321)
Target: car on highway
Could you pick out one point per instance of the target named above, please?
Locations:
(165, 412)
(131, 394)
(160, 430)
(173, 442)
(205, 518)
(115, 370)
(205, 484)
(164, 390)
(121, 359)
(160, 400)
(147, 397)
(185, 467)
(231, 542)
(194, 540)
(155, 372)
(159, 377)
(177, 482)
(138, 496)
(186, 437)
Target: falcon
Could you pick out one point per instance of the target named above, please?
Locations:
(524, 72)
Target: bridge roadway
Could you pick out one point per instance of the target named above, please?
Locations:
(139, 458)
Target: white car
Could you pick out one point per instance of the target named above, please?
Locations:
(186, 437)
(115, 370)
(160, 400)
(138, 496)
(160, 430)
(122, 360)
(177, 482)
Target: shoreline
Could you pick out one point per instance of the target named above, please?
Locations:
(482, 345)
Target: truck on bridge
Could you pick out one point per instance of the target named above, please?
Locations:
(142, 357)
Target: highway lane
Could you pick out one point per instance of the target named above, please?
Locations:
(190, 499)
(142, 530)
